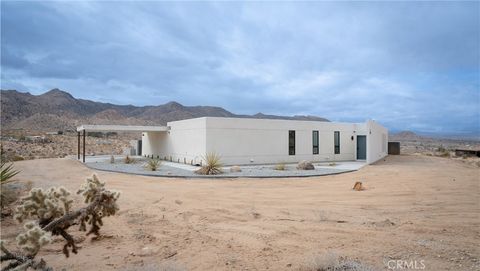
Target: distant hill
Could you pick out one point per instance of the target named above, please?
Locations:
(59, 110)
(405, 135)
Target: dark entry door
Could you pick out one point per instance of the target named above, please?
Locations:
(361, 147)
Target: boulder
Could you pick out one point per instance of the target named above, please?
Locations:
(235, 169)
(305, 165)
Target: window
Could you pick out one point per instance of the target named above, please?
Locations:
(336, 139)
(315, 141)
(291, 142)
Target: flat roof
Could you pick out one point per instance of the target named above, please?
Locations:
(122, 128)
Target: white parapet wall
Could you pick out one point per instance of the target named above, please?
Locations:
(242, 141)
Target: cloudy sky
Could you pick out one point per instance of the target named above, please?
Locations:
(410, 66)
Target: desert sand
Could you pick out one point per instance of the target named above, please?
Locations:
(413, 208)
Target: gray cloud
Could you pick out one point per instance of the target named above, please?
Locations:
(408, 65)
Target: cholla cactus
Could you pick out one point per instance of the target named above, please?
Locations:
(94, 190)
(51, 210)
(93, 187)
(33, 239)
(44, 204)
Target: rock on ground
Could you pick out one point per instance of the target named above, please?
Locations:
(305, 165)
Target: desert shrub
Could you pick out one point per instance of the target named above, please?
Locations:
(153, 164)
(129, 160)
(49, 213)
(280, 166)
(165, 266)
(444, 154)
(95, 134)
(213, 165)
(441, 149)
(7, 196)
(112, 159)
(17, 158)
(332, 164)
(332, 262)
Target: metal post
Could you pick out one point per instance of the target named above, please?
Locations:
(84, 146)
(78, 145)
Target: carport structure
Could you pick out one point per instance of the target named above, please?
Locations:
(83, 129)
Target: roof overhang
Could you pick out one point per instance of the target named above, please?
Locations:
(122, 128)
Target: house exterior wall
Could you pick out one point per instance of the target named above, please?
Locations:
(260, 141)
(377, 142)
(184, 142)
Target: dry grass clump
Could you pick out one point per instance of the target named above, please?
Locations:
(280, 166)
(17, 158)
(332, 262)
(153, 164)
(129, 160)
(443, 154)
(213, 165)
(165, 266)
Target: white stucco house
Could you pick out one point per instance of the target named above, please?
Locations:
(243, 141)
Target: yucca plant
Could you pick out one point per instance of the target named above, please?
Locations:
(7, 195)
(212, 165)
(153, 164)
(7, 172)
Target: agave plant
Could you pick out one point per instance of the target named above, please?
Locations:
(212, 165)
(7, 172)
(153, 164)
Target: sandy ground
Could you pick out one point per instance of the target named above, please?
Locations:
(414, 208)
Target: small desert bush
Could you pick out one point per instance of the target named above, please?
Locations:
(112, 159)
(213, 165)
(17, 158)
(280, 166)
(129, 160)
(153, 164)
(332, 262)
(441, 149)
(8, 195)
(332, 164)
(444, 154)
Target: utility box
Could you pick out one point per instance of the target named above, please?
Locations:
(394, 148)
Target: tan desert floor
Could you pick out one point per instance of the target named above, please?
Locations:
(278, 224)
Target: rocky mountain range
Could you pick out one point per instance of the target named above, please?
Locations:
(59, 110)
